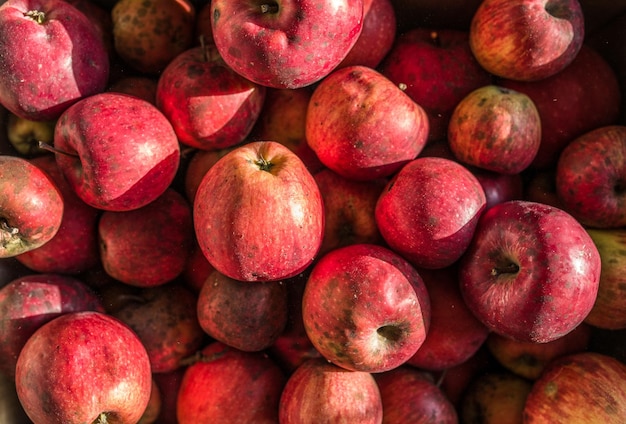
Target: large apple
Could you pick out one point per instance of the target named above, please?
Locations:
(365, 308)
(71, 61)
(531, 271)
(285, 43)
(83, 367)
(258, 213)
(429, 210)
(117, 151)
(31, 206)
(526, 39)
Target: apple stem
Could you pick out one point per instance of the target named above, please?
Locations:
(269, 8)
(46, 146)
(36, 15)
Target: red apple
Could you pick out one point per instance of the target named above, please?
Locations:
(142, 86)
(498, 187)
(436, 68)
(246, 316)
(496, 129)
(318, 391)
(258, 213)
(541, 187)
(31, 206)
(348, 125)
(83, 367)
(429, 210)
(228, 385)
(168, 384)
(71, 61)
(117, 151)
(210, 106)
(559, 397)
(285, 43)
(198, 165)
(531, 271)
(589, 177)
(365, 308)
(526, 39)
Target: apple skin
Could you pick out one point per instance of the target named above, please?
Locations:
(123, 152)
(429, 210)
(74, 248)
(589, 174)
(583, 96)
(248, 317)
(30, 301)
(285, 44)
(559, 397)
(495, 128)
(531, 271)
(31, 207)
(259, 214)
(318, 391)
(526, 39)
(348, 125)
(365, 308)
(210, 106)
(148, 246)
(437, 69)
(76, 64)
(102, 349)
(198, 165)
(206, 392)
(410, 395)
(499, 187)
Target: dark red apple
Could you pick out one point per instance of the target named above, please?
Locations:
(498, 187)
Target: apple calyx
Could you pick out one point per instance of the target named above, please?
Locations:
(36, 15)
(103, 418)
(269, 8)
(390, 332)
(10, 241)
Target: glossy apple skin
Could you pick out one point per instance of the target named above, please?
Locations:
(248, 317)
(410, 395)
(437, 69)
(348, 125)
(210, 106)
(76, 65)
(318, 391)
(589, 175)
(531, 272)
(74, 248)
(124, 153)
(583, 96)
(258, 213)
(292, 45)
(496, 129)
(30, 301)
(429, 210)
(148, 246)
(109, 371)
(375, 294)
(558, 397)
(526, 39)
(207, 388)
(31, 207)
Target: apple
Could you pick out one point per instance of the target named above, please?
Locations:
(108, 378)
(286, 43)
(411, 395)
(589, 177)
(526, 39)
(74, 248)
(531, 271)
(495, 128)
(199, 164)
(348, 125)
(197, 269)
(117, 151)
(71, 61)
(258, 213)
(559, 397)
(455, 380)
(168, 384)
(229, 385)
(210, 106)
(148, 246)
(436, 68)
(25, 135)
(429, 210)
(541, 188)
(318, 391)
(153, 410)
(142, 86)
(499, 187)
(365, 308)
(31, 207)
(246, 316)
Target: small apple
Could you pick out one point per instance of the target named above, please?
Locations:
(499, 187)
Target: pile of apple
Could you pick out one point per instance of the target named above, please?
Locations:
(313, 211)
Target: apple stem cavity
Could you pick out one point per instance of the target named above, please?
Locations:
(505, 268)
(46, 146)
(36, 15)
(264, 164)
(269, 8)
